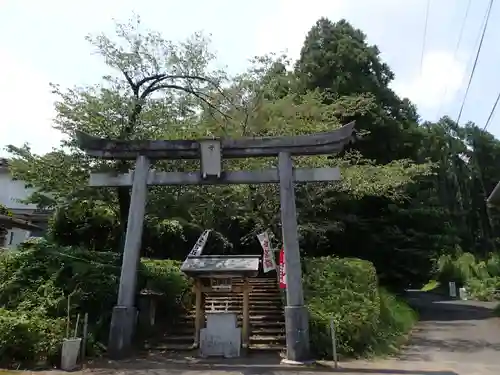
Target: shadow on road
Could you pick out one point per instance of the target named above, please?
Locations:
(439, 308)
(264, 370)
(461, 332)
(455, 345)
(251, 365)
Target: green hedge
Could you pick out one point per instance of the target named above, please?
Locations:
(367, 320)
(28, 338)
(37, 279)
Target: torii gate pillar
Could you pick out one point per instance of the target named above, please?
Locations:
(296, 314)
(211, 152)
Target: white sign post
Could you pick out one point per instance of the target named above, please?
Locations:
(453, 289)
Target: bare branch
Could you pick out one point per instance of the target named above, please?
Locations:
(150, 78)
(151, 88)
(135, 87)
(194, 93)
(163, 76)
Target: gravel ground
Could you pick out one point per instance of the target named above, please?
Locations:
(452, 338)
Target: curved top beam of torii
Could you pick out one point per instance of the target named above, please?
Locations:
(311, 144)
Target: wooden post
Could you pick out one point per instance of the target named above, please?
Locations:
(246, 313)
(152, 311)
(296, 316)
(124, 313)
(199, 312)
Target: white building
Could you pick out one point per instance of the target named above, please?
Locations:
(11, 192)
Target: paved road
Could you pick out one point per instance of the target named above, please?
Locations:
(452, 338)
(463, 334)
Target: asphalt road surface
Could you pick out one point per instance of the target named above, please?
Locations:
(452, 338)
(463, 335)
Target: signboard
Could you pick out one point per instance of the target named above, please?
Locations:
(268, 263)
(282, 269)
(453, 289)
(222, 285)
(200, 244)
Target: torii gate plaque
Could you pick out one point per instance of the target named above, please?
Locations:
(211, 152)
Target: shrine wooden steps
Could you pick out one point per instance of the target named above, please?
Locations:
(267, 321)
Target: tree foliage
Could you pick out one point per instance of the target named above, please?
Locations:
(410, 191)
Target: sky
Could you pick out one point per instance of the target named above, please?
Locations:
(43, 42)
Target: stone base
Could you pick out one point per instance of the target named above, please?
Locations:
(221, 337)
(121, 331)
(297, 363)
(297, 334)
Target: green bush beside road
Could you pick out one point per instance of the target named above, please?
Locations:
(368, 319)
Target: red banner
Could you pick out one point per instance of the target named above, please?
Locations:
(282, 269)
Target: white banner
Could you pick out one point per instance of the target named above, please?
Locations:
(200, 244)
(268, 263)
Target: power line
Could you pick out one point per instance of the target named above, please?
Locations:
(455, 53)
(492, 112)
(478, 52)
(425, 35)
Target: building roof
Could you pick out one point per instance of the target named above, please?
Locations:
(11, 222)
(4, 164)
(206, 265)
(494, 198)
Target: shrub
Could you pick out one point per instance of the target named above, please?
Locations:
(496, 310)
(164, 276)
(481, 278)
(94, 225)
(3, 230)
(41, 275)
(28, 337)
(347, 291)
(458, 268)
(483, 289)
(395, 321)
(493, 265)
(88, 223)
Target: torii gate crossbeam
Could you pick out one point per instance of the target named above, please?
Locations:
(211, 152)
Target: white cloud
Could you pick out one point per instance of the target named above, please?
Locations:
(442, 73)
(286, 29)
(26, 105)
(441, 78)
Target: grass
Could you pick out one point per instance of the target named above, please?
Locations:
(432, 285)
(496, 310)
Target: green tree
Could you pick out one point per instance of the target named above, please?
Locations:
(158, 88)
(3, 229)
(337, 60)
(384, 208)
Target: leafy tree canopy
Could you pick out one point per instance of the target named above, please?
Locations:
(410, 192)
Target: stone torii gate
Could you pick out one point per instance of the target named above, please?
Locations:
(211, 152)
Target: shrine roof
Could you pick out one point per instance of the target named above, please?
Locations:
(330, 142)
(221, 265)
